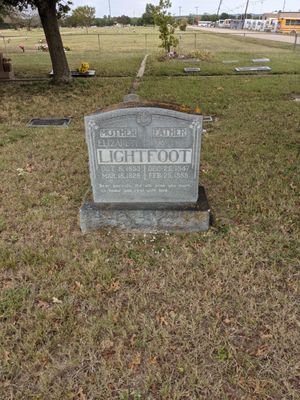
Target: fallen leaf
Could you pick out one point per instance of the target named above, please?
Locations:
(106, 344)
(21, 172)
(81, 395)
(132, 340)
(136, 361)
(43, 304)
(172, 314)
(56, 300)
(6, 356)
(115, 286)
(152, 360)
(162, 321)
(30, 167)
(78, 285)
(266, 336)
(115, 317)
(261, 351)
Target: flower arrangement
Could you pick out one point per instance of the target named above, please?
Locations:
(84, 68)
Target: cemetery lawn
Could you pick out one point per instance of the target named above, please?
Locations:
(128, 316)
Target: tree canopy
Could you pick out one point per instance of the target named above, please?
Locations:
(62, 6)
(49, 11)
(147, 17)
(82, 16)
(166, 24)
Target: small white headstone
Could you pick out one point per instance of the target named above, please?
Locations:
(260, 60)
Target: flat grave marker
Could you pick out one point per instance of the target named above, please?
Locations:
(230, 61)
(77, 74)
(191, 70)
(207, 118)
(296, 97)
(253, 69)
(189, 60)
(46, 122)
(260, 60)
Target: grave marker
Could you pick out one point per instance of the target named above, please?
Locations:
(253, 69)
(6, 70)
(260, 60)
(189, 60)
(144, 169)
(191, 70)
(76, 74)
(46, 122)
(230, 61)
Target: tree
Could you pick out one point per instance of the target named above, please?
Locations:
(28, 18)
(224, 16)
(123, 20)
(183, 24)
(166, 24)
(83, 16)
(191, 19)
(147, 17)
(49, 12)
(210, 17)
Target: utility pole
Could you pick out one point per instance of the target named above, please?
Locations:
(109, 9)
(283, 7)
(196, 10)
(246, 10)
(218, 12)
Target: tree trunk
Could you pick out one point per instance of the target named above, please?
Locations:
(47, 12)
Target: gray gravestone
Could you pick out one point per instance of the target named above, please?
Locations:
(6, 70)
(260, 60)
(252, 69)
(144, 154)
(190, 70)
(144, 169)
(190, 60)
(76, 74)
(46, 122)
(131, 97)
(230, 61)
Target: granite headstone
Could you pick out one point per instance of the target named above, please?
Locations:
(6, 70)
(144, 169)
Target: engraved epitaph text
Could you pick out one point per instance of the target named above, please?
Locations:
(144, 155)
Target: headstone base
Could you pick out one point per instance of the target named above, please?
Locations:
(175, 217)
(7, 75)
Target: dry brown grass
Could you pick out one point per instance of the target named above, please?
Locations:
(116, 315)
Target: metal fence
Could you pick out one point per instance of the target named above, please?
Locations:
(147, 42)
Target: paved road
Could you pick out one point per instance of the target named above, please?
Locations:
(257, 35)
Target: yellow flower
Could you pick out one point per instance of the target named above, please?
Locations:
(84, 67)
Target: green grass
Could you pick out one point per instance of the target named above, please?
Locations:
(280, 64)
(120, 315)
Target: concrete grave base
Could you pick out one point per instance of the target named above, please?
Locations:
(7, 75)
(175, 217)
(77, 74)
